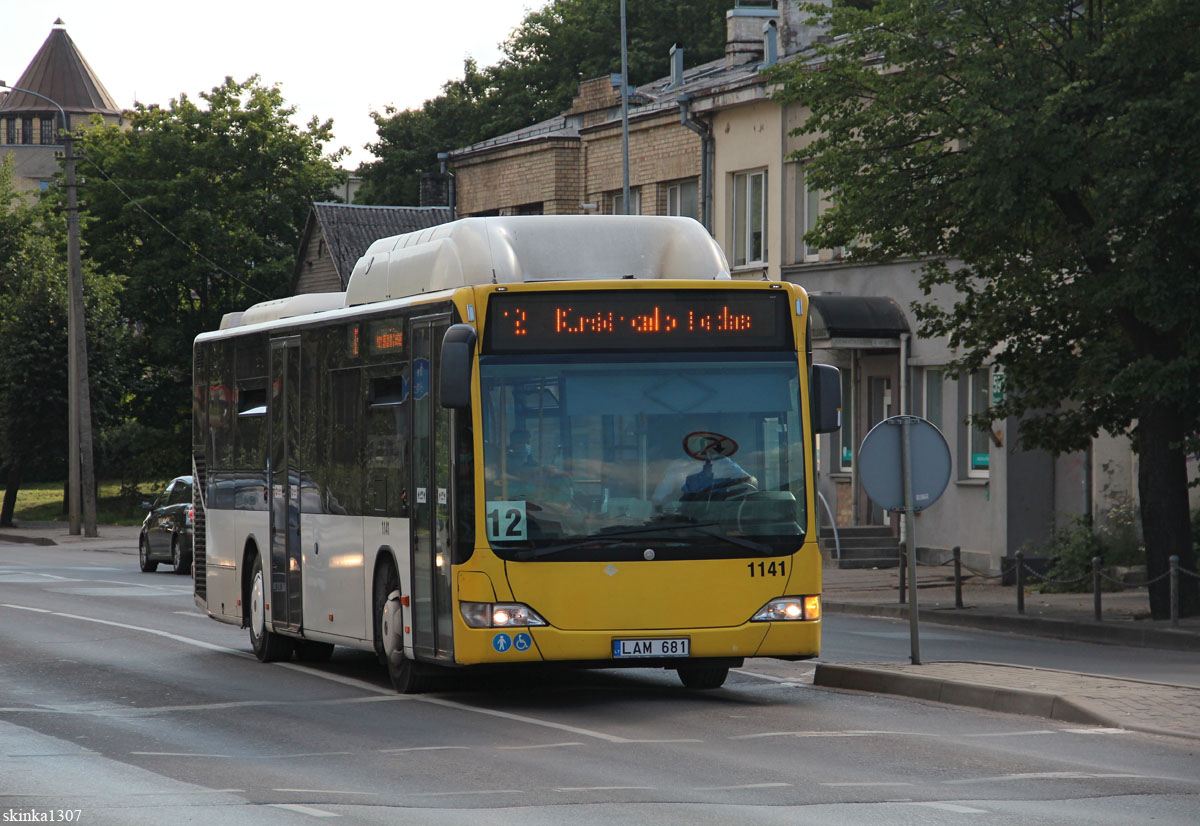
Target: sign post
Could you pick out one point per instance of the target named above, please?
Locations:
(904, 464)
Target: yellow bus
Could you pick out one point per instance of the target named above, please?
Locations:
(517, 440)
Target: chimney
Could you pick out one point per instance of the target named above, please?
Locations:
(770, 44)
(743, 30)
(676, 67)
(795, 32)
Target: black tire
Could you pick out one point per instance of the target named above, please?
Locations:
(181, 562)
(311, 651)
(268, 646)
(702, 676)
(403, 672)
(147, 565)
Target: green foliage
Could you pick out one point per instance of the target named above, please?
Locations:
(545, 58)
(1040, 159)
(33, 338)
(199, 207)
(1043, 155)
(1072, 548)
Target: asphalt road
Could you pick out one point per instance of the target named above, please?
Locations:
(117, 699)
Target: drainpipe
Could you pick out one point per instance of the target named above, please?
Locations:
(905, 409)
(453, 196)
(706, 158)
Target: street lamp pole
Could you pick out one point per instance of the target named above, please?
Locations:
(81, 480)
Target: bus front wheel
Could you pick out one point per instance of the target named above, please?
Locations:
(702, 676)
(389, 642)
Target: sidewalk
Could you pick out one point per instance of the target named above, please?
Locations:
(1057, 695)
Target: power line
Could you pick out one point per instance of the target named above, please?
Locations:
(187, 244)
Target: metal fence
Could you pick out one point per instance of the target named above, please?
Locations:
(1025, 574)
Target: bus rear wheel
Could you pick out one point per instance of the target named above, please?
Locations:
(702, 676)
(268, 646)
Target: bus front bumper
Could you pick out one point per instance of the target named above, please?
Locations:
(792, 640)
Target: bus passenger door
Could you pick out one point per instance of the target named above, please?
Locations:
(284, 481)
(430, 522)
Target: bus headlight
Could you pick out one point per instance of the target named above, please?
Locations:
(784, 609)
(499, 614)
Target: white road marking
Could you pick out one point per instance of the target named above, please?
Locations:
(1011, 733)
(461, 794)
(349, 681)
(423, 748)
(1097, 730)
(304, 810)
(520, 718)
(789, 681)
(185, 640)
(1045, 776)
(798, 734)
(743, 786)
(951, 807)
(543, 746)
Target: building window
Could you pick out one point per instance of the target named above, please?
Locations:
(10, 130)
(684, 199)
(977, 438)
(26, 130)
(846, 450)
(635, 203)
(47, 132)
(811, 210)
(932, 406)
(749, 218)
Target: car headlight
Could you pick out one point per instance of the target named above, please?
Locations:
(785, 609)
(499, 614)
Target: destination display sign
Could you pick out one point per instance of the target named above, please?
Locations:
(638, 320)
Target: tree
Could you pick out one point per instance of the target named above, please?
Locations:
(33, 341)
(1041, 158)
(545, 58)
(200, 207)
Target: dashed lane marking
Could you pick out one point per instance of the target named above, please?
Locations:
(304, 810)
(950, 807)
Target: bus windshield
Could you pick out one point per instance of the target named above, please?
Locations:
(595, 456)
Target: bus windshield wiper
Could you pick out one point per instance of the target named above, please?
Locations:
(630, 534)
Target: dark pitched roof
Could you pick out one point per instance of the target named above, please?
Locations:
(349, 229)
(59, 72)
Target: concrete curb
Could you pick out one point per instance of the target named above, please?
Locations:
(1026, 702)
(27, 540)
(1109, 633)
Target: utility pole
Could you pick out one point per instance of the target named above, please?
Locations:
(624, 109)
(81, 479)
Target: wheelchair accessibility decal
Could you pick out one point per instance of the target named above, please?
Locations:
(503, 642)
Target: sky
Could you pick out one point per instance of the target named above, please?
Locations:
(341, 59)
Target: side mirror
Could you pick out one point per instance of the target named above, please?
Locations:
(458, 353)
(825, 392)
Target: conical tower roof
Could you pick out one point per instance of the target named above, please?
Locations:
(59, 72)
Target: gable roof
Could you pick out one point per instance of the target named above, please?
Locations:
(349, 229)
(60, 72)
